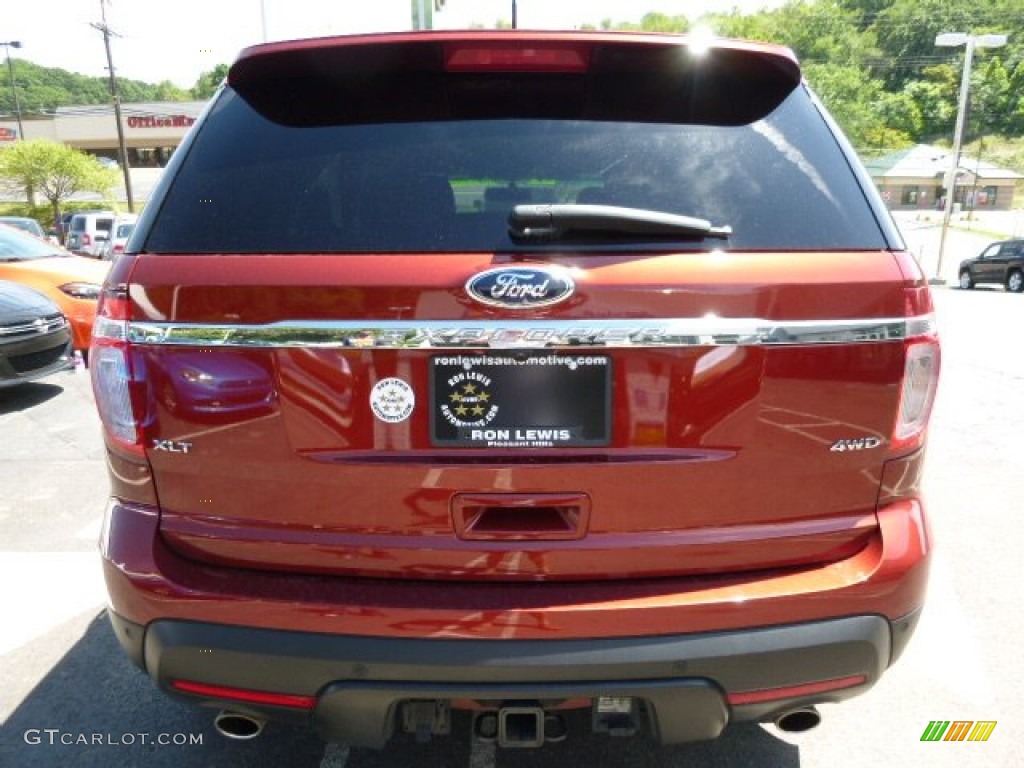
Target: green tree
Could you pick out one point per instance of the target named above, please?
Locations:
(1015, 107)
(821, 31)
(208, 82)
(660, 22)
(907, 29)
(43, 89)
(850, 95)
(935, 94)
(898, 112)
(761, 26)
(56, 171)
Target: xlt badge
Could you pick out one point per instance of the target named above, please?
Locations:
(521, 287)
(172, 446)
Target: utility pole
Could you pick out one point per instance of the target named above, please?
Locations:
(122, 152)
(952, 40)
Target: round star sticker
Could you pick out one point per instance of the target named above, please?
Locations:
(392, 400)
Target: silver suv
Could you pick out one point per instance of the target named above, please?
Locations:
(89, 231)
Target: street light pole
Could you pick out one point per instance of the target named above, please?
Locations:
(14, 90)
(952, 40)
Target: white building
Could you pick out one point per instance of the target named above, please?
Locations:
(912, 179)
(151, 131)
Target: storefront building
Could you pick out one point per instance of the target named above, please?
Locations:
(151, 130)
(913, 179)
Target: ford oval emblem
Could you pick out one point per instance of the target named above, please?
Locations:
(521, 287)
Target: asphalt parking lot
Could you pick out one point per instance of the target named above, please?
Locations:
(68, 697)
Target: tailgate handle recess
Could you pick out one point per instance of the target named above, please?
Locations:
(521, 516)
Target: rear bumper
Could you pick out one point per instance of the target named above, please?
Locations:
(699, 652)
(691, 685)
(147, 582)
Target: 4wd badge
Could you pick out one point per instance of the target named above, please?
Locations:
(521, 287)
(856, 444)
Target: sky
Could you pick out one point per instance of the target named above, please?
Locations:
(177, 40)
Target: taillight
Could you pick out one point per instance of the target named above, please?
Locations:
(917, 392)
(86, 239)
(110, 365)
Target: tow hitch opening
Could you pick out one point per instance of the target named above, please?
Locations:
(520, 726)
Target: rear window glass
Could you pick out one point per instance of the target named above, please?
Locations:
(249, 184)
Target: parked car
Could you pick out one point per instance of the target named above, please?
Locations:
(71, 282)
(63, 226)
(88, 232)
(35, 338)
(1001, 263)
(25, 224)
(119, 234)
(641, 432)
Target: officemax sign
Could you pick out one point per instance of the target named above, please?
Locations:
(160, 121)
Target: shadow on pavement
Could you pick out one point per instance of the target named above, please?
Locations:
(95, 694)
(746, 744)
(25, 396)
(93, 708)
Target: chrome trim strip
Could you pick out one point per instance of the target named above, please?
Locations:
(533, 334)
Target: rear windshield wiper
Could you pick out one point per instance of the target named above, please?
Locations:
(550, 222)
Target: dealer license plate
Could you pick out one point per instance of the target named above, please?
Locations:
(520, 400)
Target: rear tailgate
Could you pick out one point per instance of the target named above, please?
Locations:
(272, 446)
(331, 391)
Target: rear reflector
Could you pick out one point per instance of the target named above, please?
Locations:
(513, 57)
(793, 691)
(244, 694)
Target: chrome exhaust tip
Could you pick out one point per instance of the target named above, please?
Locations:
(798, 720)
(235, 725)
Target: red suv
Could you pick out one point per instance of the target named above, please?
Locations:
(515, 373)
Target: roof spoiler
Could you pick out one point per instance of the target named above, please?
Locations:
(476, 75)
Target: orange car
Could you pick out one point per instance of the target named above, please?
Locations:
(73, 282)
